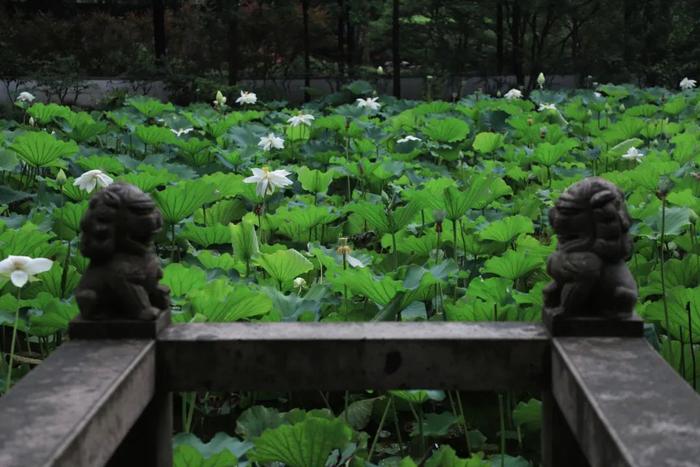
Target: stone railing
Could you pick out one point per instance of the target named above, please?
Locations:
(609, 399)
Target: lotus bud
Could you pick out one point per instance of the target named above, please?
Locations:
(622, 107)
(530, 121)
(380, 70)
(439, 216)
(543, 132)
(61, 178)
(32, 122)
(429, 77)
(540, 80)
(498, 93)
(220, 99)
(299, 283)
(590, 113)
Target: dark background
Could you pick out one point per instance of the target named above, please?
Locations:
(206, 44)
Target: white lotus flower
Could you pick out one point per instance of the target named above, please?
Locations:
(271, 141)
(32, 122)
(354, 262)
(407, 139)
(91, 179)
(21, 269)
(247, 98)
(544, 107)
(267, 180)
(299, 283)
(369, 103)
(301, 119)
(598, 95)
(514, 94)
(25, 96)
(220, 99)
(687, 84)
(633, 154)
(182, 131)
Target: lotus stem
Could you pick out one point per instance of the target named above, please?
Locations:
(8, 381)
(379, 430)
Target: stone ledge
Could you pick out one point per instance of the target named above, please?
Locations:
(80, 328)
(589, 326)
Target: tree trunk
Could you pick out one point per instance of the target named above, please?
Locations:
(341, 40)
(307, 51)
(159, 42)
(516, 39)
(232, 38)
(350, 42)
(395, 49)
(499, 39)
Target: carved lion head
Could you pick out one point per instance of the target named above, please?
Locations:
(120, 218)
(591, 216)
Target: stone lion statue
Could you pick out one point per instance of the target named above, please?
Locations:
(121, 281)
(588, 266)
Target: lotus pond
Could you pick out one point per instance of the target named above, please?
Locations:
(355, 210)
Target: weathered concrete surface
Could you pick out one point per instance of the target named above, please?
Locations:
(76, 407)
(352, 356)
(624, 404)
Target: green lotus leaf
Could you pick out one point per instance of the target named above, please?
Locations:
(512, 264)
(244, 241)
(180, 201)
(314, 181)
(216, 234)
(188, 456)
(155, 135)
(219, 301)
(284, 265)
(150, 107)
(107, 164)
(549, 154)
(149, 180)
(487, 142)
(624, 129)
(182, 279)
(46, 113)
(528, 415)
(51, 280)
(253, 421)
(305, 444)
(66, 219)
(418, 396)
(40, 149)
(28, 240)
(437, 425)
(82, 127)
(215, 260)
(680, 302)
(358, 413)
(675, 105)
(54, 318)
(380, 290)
(447, 130)
(221, 213)
(447, 457)
(671, 224)
(506, 229)
(219, 443)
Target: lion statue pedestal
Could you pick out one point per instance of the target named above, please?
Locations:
(593, 292)
(120, 291)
